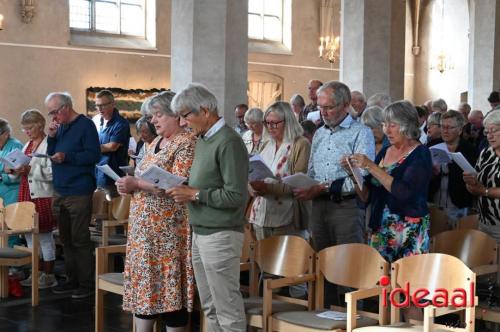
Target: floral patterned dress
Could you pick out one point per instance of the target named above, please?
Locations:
(158, 275)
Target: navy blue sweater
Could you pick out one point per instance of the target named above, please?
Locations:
(79, 142)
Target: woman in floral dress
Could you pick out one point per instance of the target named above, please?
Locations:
(158, 278)
(397, 186)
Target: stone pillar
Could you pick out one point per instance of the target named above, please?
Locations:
(372, 50)
(210, 46)
(484, 52)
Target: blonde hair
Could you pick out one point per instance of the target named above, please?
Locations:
(33, 116)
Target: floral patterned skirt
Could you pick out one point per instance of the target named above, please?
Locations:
(397, 238)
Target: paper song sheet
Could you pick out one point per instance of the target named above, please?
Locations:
(334, 315)
(463, 163)
(15, 159)
(440, 154)
(358, 176)
(258, 170)
(161, 178)
(299, 180)
(108, 171)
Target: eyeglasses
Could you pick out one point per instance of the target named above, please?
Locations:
(448, 128)
(26, 129)
(272, 125)
(99, 106)
(56, 111)
(327, 107)
(492, 131)
(185, 115)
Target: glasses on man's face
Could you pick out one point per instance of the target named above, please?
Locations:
(272, 125)
(185, 115)
(326, 107)
(446, 128)
(491, 131)
(101, 106)
(56, 111)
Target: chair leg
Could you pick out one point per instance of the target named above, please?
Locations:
(99, 310)
(4, 282)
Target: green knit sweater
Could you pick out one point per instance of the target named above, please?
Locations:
(220, 171)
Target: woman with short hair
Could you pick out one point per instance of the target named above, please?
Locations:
(253, 137)
(147, 134)
(372, 118)
(9, 182)
(434, 129)
(399, 219)
(36, 186)
(298, 104)
(158, 277)
(285, 153)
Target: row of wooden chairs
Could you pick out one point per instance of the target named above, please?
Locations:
(441, 223)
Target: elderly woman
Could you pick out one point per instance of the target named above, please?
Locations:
(486, 184)
(158, 277)
(372, 118)
(286, 153)
(253, 137)
(147, 133)
(399, 218)
(298, 104)
(9, 182)
(447, 188)
(36, 186)
(434, 129)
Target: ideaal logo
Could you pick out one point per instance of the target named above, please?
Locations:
(419, 297)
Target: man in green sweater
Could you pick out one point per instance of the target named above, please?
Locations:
(216, 197)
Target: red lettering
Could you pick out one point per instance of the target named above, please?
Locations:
(444, 298)
(417, 297)
(459, 293)
(405, 292)
(384, 281)
(472, 293)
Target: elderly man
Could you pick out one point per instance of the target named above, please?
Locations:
(216, 197)
(334, 219)
(358, 102)
(239, 113)
(114, 135)
(473, 131)
(464, 108)
(312, 88)
(73, 145)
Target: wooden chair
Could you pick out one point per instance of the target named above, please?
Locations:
(350, 265)
(468, 222)
(15, 219)
(439, 221)
(436, 273)
(119, 212)
(291, 260)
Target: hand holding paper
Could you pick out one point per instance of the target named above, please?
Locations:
(161, 178)
(15, 159)
(108, 171)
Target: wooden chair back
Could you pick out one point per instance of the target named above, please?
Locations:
(354, 265)
(285, 256)
(432, 271)
(248, 241)
(20, 216)
(100, 205)
(120, 207)
(468, 222)
(472, 247)
(439, 221)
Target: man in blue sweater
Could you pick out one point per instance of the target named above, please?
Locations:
(73, 145)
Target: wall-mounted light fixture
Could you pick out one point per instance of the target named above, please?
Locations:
(27, 10)
(1, 22)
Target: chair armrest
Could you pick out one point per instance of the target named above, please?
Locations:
(440, 311)
(18, 232)
(288, 281)
(361, 294)
(485, 269)
(351, 299)
(101, 255)
(114, 223)
(23, 248)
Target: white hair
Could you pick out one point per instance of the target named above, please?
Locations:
(64, 98)
(493, 117)
(193, 97)
(379, 99)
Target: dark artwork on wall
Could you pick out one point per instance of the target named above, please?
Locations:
(128, 102)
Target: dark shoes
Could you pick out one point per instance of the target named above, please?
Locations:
(76, 292)
(64, 288)
(81, 293)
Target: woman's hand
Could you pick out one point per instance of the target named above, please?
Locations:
(361, 161)
(473, 185)
(344, 162)
(259, 187)
(23, 170)
(127, 185)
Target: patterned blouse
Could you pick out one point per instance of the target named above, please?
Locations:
(488, 167)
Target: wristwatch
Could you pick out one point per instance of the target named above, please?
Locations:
(197, 196)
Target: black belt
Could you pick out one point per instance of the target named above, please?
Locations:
(327, 197)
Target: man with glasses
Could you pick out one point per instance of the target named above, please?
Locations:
(239, 112)
(73, 145)
(114, 136)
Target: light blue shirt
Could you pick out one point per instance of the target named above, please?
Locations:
(215, 128)
(329, 145)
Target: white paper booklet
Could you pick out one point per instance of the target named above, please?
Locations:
(161, 178)
(132, 144)
(358, 176)
(440, 154)
(299, 180)
(128, 170)
(463, 163)
(15, 159)
(108, 171)
(258, 169)
(334, 315)
(314, 116)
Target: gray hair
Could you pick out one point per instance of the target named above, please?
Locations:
(34, 117)
(441, 104)
(283, 110)
(466, 107)
(161, 103)
(341, 94)
(193, 97)
(372, 117)
(358, 95)
(493, 117)
(145, 106)
(405, 115)
(379, 99)
(64, 98)
(254, 115)
(4, 126)
(144, 121)
(434, 118)
(451, 114)
(297, 100)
